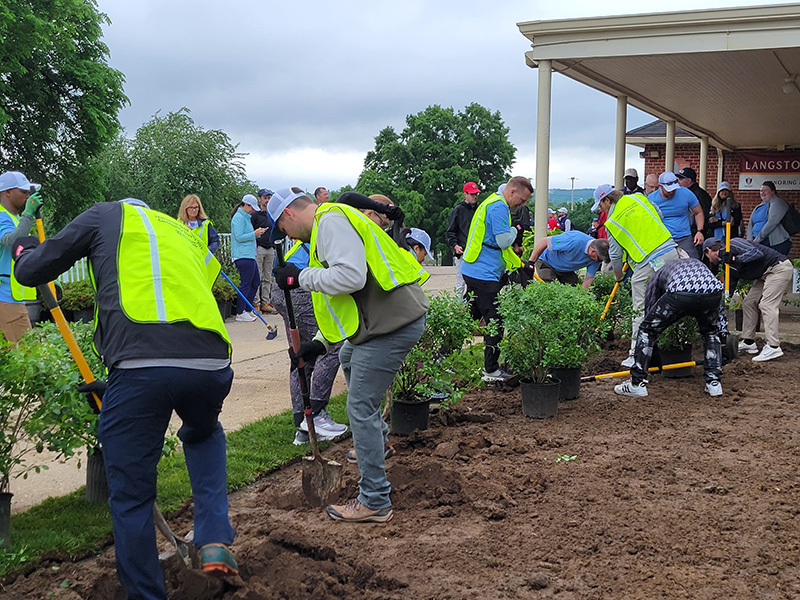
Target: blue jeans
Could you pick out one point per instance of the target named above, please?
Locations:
(369, 370)
(249, 280)
(137, 407)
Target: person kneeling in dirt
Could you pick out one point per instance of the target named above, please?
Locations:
(166, 348)
(365, 292)
(559, 256)
(680, 288)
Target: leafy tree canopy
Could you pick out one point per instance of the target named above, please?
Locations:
(170, 157)
(424, 168)
(59, 99)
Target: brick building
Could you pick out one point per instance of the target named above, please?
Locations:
(652, 139)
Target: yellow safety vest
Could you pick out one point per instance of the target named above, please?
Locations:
(19, 292)
(202, 230)
(636, 226)
(477, 232)
(155, 248)
(392, 267)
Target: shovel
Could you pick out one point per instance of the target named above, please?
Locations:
(322, 478)
(180, 546)
(682, 365)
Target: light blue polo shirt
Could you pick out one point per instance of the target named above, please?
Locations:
(567, 252)
(489, 265)
(676, 210)
(6, 226)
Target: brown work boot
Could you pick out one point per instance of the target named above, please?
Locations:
(354, 512)
(269, 309)
(256, 307)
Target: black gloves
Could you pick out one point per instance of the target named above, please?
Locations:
(308, 352)
(362, 202)
(727, 257)
(287, 276)
(98, 388)
(23, 244)
(393, 213)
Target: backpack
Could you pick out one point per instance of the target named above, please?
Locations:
(791, 221)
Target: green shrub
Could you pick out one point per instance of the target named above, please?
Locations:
(40, 407)
(78, 295)
(434, 363)
(680, 334)
(618, 318)
(548, 325)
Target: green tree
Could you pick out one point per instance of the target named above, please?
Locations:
(424, 167)
(170, 156)
(59, 99)
(581, 215)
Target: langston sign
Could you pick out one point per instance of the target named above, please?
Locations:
(782, 168)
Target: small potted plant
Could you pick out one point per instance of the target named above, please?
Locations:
(426, 372)
(77, 301)
(675, 346)
(546, 326)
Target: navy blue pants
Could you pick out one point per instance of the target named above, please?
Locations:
(249, 281)
(137, 407)
(483, 303)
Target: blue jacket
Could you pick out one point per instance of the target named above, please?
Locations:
(243, 236)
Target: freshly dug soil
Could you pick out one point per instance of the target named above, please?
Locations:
(677, 495)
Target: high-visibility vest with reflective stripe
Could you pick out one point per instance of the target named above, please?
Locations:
(166, 272)
(19, 292)
(477, 232)
(636, 226)
(391, 266)
(202, 230)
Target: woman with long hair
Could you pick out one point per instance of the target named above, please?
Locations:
(192, 215)
(719, 213)
(765, 221)
(243, 253)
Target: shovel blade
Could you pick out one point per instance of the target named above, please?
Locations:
(322, 480)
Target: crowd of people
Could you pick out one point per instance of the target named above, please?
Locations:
(353, 276)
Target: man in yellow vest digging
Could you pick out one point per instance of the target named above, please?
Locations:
(487, 257)
(364, 290)
(160, 333)
(17, 215)
(636, 235)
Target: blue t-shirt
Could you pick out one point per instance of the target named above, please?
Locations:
(489, 265)
(567, 252)
(6, 226)
(676, 210)
(759, 218)
(300, 256)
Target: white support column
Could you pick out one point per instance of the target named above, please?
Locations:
(542, 149)
(669, 158)
(703, 161)
(720, 168)
(619, 145)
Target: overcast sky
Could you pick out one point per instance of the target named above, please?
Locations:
(304, 87)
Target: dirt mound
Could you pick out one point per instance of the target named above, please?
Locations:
(676, 495)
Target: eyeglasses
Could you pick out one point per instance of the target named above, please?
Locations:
(673, 182)
(192, 208)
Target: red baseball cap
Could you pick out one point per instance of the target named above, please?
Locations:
(471, 188)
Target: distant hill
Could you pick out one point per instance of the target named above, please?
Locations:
(558, 196)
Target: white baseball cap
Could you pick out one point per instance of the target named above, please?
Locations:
(12, 180)
(724, 186)
(600, 192)
(669, 181)
(420, 236)
(562, 209)
(250, 200)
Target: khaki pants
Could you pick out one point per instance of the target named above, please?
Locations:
(14, 321)
(766, 295)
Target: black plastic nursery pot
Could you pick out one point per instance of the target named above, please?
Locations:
(409, 416)
(570, 378)
(96, 483)
(5, 519)
(540, 400)
(673, 357)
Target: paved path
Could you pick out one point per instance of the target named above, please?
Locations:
(260, 388)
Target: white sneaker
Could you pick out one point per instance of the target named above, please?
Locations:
(768, 353)
(749, 348)
(629, 389)
(246, 317)
(325, 426)
(714, 388)
(628, 362)
(498, 375)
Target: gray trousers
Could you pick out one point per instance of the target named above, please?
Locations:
(461, 287)
(265, 258)
(369, 369)
(321, 372)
